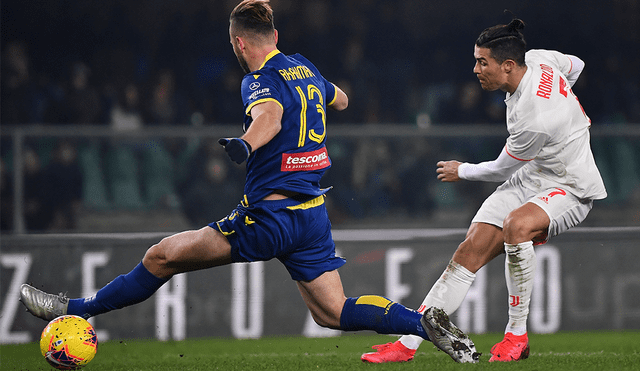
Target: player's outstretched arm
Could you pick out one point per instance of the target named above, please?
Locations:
(497, 170)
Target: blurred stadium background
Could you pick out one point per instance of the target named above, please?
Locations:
(110, 112)
(116, 107)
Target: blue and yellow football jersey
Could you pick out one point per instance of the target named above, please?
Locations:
(296, 158)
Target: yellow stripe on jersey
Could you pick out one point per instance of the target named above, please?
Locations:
(303, 117)
(248, 111)
(335, 96)
(309, 204)
(378, 301)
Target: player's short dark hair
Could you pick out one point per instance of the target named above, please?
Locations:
(254, 16)
(505, 41)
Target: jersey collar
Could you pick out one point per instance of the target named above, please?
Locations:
(269, 56)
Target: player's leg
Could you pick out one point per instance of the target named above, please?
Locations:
(312, 263)
(188, 251)
(521, 226)
(324, 296)
(482, 243)
(329, 307)
(182, 252)
(545, 215)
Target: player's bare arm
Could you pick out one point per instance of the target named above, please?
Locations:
(341, 102)
(266, 124)
(448, 170)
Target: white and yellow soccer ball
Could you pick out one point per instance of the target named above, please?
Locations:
(68, 342)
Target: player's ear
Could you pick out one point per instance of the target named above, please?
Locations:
(508, 65)
(275, 36)
(240, 42)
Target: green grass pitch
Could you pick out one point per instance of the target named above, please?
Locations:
(611, 350)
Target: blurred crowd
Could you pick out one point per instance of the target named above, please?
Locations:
(373, 179)
(130, 65)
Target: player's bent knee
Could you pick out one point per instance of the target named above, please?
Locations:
(516, 227)
(155, 258)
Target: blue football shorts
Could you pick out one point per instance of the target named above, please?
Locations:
(298, 233)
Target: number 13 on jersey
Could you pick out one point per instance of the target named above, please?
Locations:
(312, 94)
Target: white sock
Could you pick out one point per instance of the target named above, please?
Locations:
(519, 270)
(447, 293)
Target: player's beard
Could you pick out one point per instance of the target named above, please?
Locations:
(243, 63)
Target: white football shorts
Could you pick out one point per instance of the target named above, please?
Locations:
(563, 208)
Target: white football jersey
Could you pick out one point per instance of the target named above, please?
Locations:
(549, 129)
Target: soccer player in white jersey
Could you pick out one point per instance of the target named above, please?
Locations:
(550, 182)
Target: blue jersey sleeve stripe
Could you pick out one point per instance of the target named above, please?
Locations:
(249, 107)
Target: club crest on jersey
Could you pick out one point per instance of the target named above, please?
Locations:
(305, 161)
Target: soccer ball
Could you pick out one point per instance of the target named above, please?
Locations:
(68, 342)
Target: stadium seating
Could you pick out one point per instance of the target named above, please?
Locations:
(158, 173)
(94, 188)
(123, 178)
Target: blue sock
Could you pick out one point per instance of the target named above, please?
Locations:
(127, 289)
(371, 312)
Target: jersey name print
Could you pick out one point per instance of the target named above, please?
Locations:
(297, 72)
(546, 82)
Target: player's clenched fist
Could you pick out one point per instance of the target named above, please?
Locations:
(448, 171)
(237, 149)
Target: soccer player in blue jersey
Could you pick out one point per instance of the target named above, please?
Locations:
(282, 214)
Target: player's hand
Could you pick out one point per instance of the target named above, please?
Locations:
(448, 171)
(238, 149)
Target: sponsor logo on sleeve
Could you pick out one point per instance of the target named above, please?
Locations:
(260, 94)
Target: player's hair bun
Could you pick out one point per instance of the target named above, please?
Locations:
(501, 32)
(505, 41)
(515, 25)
